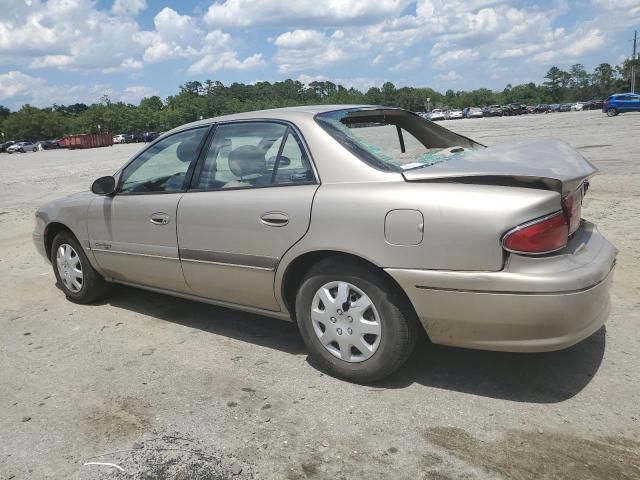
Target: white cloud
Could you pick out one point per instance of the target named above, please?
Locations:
(569, 48)
(298, 39)
(16, 84)
(64, 34)
(245, 13)
(359, 83)
(17, 88)
(128, 7)
(455, 57)
(310, 49)
(450, 76)
(627, 12)
(225, 61)
(175, 36)
(127, 65)
(405, 65)
(135, 93)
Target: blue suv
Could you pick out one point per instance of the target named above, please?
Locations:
(620, 103)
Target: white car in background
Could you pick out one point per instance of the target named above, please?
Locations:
(454, 114)
(475, 112)
(119, 139)
(437, 114)
(577, 107)
(22, 147)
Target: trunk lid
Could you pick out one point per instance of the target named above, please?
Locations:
(552, 163)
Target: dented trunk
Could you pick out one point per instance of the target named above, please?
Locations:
(543, 163)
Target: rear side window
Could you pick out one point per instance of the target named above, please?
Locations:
(254, 154)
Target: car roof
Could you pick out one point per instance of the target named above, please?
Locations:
(286, 113)
(283, 113)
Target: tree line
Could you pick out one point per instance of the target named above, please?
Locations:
(195, 100)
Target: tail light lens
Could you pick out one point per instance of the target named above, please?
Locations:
(544, 235)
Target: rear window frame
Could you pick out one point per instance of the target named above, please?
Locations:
(368, 157)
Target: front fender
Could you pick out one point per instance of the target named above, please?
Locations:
(68, 212)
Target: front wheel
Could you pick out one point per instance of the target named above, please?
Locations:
(353, 321)
(612, 112)
(79, 281)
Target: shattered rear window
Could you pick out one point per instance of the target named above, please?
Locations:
(393, 139)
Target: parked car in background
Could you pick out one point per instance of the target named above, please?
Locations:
(564, 107)
(474, 112)
(46, 145)
(506, 262)
(541, 108)
(120, 138)
(149, 136)
(621, 103)
(493, 111)
(512, 109)
(437, 114)
(22, 147)
(454, 114)
(137, 137)
(593, 105)
(577, 107)
(5, 145)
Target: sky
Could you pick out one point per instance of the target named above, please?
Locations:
(68, 51)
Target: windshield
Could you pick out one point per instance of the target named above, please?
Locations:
(393, 139)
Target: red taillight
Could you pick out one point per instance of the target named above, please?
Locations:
(545, 235)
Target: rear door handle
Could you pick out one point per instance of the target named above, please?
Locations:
(159, 218)
(274, 219)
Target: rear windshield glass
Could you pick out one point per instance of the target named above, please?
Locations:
(393, 139)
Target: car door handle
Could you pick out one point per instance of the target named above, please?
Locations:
(274, 219)
(159, 218)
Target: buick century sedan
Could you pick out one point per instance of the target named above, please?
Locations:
(362, 224)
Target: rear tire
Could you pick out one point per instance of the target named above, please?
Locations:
(365, 338)
(612, 112)
(79, 281)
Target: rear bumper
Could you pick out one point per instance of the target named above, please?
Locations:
(533, 304)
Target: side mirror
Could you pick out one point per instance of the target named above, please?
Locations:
(104, 185)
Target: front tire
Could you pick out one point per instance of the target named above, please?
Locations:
(79, 281)
(612, 112)
(354, 322)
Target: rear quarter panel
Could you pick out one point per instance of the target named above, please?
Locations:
(463, 224)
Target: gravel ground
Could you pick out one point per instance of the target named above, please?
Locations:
(167, 388)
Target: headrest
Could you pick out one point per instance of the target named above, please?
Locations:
(246, 160)
(188, 149)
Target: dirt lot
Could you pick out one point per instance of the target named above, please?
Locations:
(167, 388)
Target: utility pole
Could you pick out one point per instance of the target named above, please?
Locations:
(633, 63)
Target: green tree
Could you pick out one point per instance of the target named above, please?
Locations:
(603, 79)
(556, 80)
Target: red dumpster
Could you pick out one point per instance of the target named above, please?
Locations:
(86, 140)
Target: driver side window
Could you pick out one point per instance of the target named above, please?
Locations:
(163, 167)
